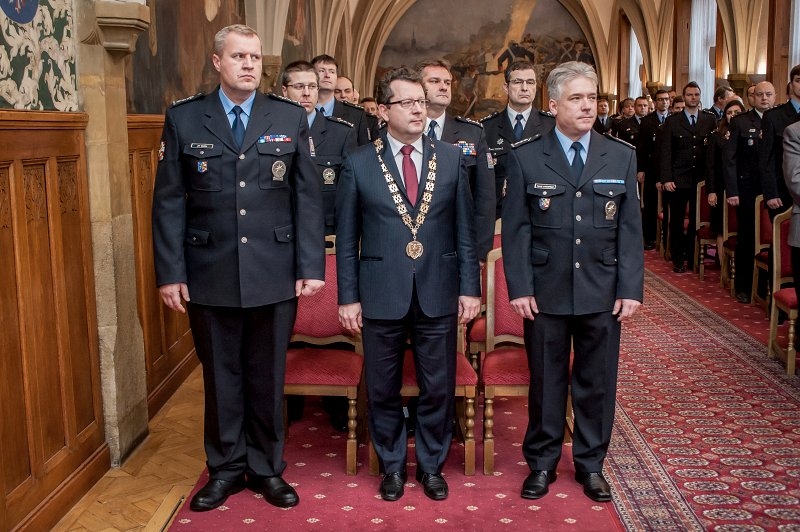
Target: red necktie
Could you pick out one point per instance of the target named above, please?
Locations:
(409, 173)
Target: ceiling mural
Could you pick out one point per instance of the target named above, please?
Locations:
(487, 38)
(37, 56)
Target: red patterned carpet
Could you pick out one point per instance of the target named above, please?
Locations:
(706, 437)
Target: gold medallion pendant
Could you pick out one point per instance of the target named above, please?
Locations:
(414, 249)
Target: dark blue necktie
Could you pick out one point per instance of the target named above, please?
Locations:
(518, 127)
(693, 120)
(432, 130)
(238, 127)
(577, 161)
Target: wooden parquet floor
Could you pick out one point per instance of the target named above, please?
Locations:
(144, 493)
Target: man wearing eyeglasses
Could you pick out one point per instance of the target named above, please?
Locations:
(407, 270)
(647, 172)
(469, 137)
(519, 120)
(328, 71)
(329, 139)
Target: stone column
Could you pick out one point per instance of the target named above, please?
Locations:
(739, 84)
(107, 31)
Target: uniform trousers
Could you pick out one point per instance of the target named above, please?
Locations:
(650, 209)
(682, 244)
(745, 243)
(243, 353)
(549, 339)
(433, 343)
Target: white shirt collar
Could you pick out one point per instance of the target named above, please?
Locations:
(512, 115)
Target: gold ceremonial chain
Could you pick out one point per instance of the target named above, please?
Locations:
(414, 248)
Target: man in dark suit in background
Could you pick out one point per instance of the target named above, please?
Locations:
(603, 121)
(770, 150)
(519, 120)
(407, 269)
(743, 183)
(469, 137)
(328, 72)
(682, 164)
(628, 129)
(721, 97)
(647, 165)
(572, 250)
(237, 225)
(329, 138)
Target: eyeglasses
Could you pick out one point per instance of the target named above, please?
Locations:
(521, 82)
(409, 103)
(301, 86)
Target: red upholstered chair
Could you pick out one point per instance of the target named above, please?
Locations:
(763, 244)
(504, 371)
(704, 236)
(784, 297)
(466, 389)
(476, 331)
(728, 253)
(325, 369)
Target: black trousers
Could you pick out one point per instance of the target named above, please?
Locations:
(745, 243)
(595, 338)
(243, 353)
(681, 244)
(433, 342)
(650, 209)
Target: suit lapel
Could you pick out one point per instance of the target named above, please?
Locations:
(555, 159)
(506, 129)
(531, 124)
(595, 159)
(258, 123)
(318, 129)
(451, 129)
(388, 160)
(217, 122)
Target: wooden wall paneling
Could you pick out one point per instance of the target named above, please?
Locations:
(53, 445)
(169, 350)
(778, 48)
(680, 43)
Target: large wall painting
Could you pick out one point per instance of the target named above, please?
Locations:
(483, 42)
(37, 57)
(173, 57)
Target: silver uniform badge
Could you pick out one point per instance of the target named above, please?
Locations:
(611, 210)
(278, 170)
(544, 203)
(328, 176)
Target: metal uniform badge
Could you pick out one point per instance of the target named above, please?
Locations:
(328, 176)
(611, 210)
(311, 147)
(278, 170)
(202, 166)
(544, 203)
(161, 150)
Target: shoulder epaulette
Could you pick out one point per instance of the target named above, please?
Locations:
(612, 137)
(189, 99)
(284, 99)
(469, 121)
(546, 113)
(487, 117)
(710, 112)
(526, 140)
(351, 104)
(340, 120)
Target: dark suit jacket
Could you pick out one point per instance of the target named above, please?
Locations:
(224, 221)
(560, 244)
(628, 130)
(469, 137)
(356, 115)
(740, 165)
(646, 151)
(378, 273)
(683, 149)
(600, 127)
(332, 138)
(500, 137)
(770, 151)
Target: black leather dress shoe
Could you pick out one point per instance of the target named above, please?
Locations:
(537, 484)
(649, 246)
(679, 269)
(392, 485)
(275, 491)
(214, 494)
(594, 486)
(434, 485)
